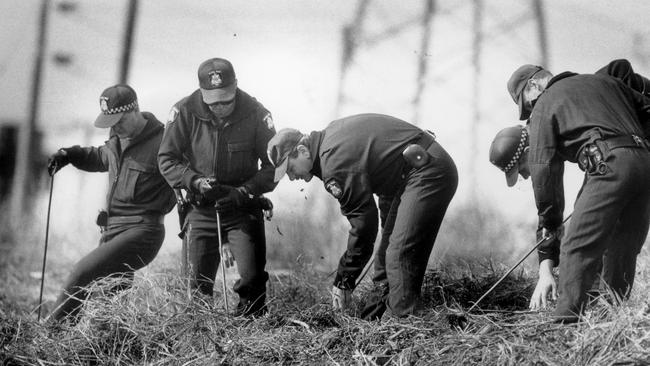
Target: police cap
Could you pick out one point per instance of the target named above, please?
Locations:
(506, 150)
(279, 148)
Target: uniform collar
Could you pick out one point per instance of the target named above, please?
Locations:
(315, 139)
(558, 77)
(152, 127)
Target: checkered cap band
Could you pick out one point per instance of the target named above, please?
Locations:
(523, 141)
(122, 108)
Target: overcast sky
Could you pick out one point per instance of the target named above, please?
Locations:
(287, 55)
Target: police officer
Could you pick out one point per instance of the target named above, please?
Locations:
(367, 154)
(214, 147)
(595, 121)
(620, 69)
(509, 152)
(138, 198)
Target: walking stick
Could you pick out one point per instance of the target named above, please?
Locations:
(47, 232)
(539, 242)
(188, 267)
(222, 264)
(365, 272)
(460, 320)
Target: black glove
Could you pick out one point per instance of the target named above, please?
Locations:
(266, 205)
(233, 199)
(60, 159)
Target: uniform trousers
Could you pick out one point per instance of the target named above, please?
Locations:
(122, 250)
(610, 218)
(410, 227)
(243, 232)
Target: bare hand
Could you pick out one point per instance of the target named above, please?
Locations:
(545, 285)
(341, 299)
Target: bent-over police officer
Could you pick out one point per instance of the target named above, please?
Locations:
(415, 179)
(214, 147)
(597, 122)
(509, 152)
(137, 201)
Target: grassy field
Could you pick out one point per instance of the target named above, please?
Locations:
(156, 323)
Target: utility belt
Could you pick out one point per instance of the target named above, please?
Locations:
(415, 154)
(256, 202)
(103, 220)
(591, 159)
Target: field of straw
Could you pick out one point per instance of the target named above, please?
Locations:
(158, 322)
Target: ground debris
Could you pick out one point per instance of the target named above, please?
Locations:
(154, 323)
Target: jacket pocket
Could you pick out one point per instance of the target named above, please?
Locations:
(137, 180)
(242, 162)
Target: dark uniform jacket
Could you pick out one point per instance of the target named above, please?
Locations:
(196, 145)
(356, 157)
(622, 70)
(136, 185)
(573, 111)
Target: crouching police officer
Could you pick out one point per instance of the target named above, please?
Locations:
(595, 121)
(367, 154)
(138, 198)
(509, 152)
(214, 147)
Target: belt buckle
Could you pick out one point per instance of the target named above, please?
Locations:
(638, 140)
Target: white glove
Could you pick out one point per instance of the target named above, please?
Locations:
(341, 299)
(228, 257)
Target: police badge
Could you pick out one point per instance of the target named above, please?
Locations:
(333, 187)
(215, 78)
(103, 104)
(269, 121)
(172, 115)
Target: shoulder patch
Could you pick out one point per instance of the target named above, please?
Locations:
(269, 121)
(334, 188)
(172, 115)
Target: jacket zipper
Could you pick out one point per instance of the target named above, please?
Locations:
(120, 160)
(215, 154)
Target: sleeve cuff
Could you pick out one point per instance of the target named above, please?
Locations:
(75, 154)
(188, 179)
(549, 253)
(344, 282)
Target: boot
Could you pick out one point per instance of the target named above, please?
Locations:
(376, 304)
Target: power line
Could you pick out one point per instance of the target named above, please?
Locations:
(468, 56)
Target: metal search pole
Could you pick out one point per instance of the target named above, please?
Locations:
(539, 242)
(222, 264)
(47, 232)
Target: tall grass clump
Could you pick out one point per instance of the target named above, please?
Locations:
(159, 322)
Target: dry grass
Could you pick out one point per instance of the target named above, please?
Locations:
(156, 323)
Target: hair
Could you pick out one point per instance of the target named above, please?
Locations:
(543, 76)
(304, 140)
